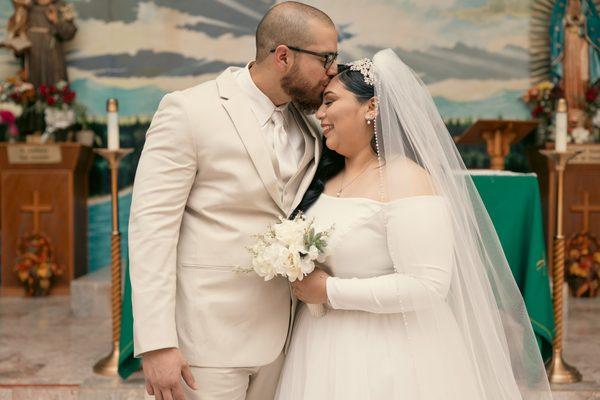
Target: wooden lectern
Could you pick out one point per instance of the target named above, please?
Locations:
(44, 188)
(498, 135)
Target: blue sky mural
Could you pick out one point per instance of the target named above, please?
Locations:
(471, 53)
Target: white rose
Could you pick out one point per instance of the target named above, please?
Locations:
(289, 233)
(294, 274)
(313, 252)
(307, 265)
(279, 257)
(596, 119)
(263, 268)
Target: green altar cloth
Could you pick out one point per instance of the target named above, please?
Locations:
(513, 202)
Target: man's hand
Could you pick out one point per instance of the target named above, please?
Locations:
(163, 370)
(312, 289)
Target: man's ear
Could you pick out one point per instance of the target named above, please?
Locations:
(284, 57)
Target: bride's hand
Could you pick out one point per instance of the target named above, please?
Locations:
(312, 289)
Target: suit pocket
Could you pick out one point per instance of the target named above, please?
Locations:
(207, 267)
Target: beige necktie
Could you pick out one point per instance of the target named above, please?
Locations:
(282, 147)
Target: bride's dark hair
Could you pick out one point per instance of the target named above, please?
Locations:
(332, 163)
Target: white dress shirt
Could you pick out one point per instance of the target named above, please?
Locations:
(263, 108)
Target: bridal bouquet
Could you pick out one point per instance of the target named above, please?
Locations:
(290, 249)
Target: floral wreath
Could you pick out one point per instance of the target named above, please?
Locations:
(35, 264)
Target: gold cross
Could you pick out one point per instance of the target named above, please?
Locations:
(586, 209)
(36, 208)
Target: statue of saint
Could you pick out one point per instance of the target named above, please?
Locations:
(36, 33)
(575, 51)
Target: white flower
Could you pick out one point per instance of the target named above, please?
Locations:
(288, 249)
(307, 265)
(290, 233)
(596, 119)
(313, 252)
(25, 86)
(58, 118)
(13, 108)
(580, 135)
(60, 85)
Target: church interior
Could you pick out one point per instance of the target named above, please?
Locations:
(516, 82)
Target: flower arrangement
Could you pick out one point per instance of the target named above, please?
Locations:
(52, 109)
(289, 249)
(35, 264)
(16, 91)
(57, 96)
(57, 103)
(592, 109)
(583, 265)
(541, 100)
(14, 97)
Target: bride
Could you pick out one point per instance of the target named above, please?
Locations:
(420, 301)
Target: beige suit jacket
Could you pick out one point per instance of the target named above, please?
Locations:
(204, 185)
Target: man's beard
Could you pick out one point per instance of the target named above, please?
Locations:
(307, 98)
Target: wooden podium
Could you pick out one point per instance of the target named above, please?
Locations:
(44, 187)
(498, 135)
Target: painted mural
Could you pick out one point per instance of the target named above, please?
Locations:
(471, 53)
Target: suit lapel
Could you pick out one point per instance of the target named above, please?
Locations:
(244, 120)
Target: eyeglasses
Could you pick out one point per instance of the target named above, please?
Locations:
(329, 57)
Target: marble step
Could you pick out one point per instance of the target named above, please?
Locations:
(133, 389)
(97, 388)
(90, 295)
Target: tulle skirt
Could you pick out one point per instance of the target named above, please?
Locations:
(348, 355)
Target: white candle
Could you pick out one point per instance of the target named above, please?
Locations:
(560, 139)
(112, 124)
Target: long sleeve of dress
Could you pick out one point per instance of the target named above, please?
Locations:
(420, 243)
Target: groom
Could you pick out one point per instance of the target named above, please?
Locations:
(221, 161)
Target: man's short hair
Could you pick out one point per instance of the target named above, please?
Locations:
(287, 23)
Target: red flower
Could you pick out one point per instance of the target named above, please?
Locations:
(52, 89)
(50, 100)
(591, 94)
(69, 97)
(586, 263)
(43, 90)
(537, 111)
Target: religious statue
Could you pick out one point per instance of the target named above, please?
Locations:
(575, 51)
(36, 33)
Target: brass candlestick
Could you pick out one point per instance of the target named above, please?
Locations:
(109, 365)
(558, 370)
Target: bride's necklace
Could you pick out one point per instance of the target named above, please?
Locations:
(342, 186)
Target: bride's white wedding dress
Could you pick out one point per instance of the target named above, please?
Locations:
(363, 348)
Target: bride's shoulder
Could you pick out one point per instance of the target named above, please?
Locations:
(406, 178)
